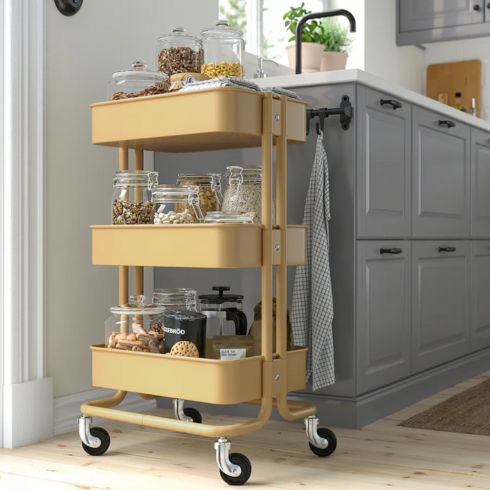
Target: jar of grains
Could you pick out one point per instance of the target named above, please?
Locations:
(244, 191)
(176, 298)
(223, 51)
(176, 204)
(137, 82)
(179, 52)
(206, 183)
(131, 199)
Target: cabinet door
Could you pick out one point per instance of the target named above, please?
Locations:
(440, 296)
(441, 176)
(383, 313)
(418, 15)
(480, 294)
(383, 177)
(480, 184)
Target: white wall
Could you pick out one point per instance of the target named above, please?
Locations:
(82, 53)
(467, 49)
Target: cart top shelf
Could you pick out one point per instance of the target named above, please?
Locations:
(219, 118)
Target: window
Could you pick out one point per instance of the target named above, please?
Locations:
(262, 24)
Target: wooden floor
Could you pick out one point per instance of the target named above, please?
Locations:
(380, 455)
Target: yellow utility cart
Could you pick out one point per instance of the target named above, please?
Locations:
(210, 119)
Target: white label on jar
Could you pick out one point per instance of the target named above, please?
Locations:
(230, 354)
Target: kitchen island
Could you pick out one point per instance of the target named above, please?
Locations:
(410, 242)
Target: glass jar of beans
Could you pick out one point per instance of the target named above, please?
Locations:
(176, 205)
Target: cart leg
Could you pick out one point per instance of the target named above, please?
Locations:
(84, 424)
(235, 468)
(95, 440)
(322, 441)
(187, 414)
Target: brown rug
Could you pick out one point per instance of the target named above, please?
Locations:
(465, 413)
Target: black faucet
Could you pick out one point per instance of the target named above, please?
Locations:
(319, 15)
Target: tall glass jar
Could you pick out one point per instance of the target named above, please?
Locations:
(223, 51)
(176, 298)
(176, 204)
(131, 199)
(179, 52)
(206, 183)
(138, 81)
(244, 191)
(136, 327)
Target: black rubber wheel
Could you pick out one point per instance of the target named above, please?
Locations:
(105, 442)
(194, 414)
(332, 443)
(246, 467)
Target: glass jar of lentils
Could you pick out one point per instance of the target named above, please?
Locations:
(176, 205)
(208, 195)
(179, 52)
(131, 199)
(244, 191)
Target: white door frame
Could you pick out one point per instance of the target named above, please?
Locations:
(27, 394)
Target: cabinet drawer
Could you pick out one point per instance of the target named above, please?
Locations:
(440, 298)
(383, 313)
(480, 183)
(383, 176)
(440, 176)
(480, 294)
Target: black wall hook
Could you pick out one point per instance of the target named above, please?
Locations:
(344, 111)
(68, 7)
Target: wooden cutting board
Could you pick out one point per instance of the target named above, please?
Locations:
(461, 76)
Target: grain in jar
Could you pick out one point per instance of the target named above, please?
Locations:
(208, 193)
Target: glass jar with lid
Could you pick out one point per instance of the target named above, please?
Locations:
(176, 298)
(206, 183)
(220, 217)
(136, 327)
(223, 51)
(176, 204)
(138, 81)
(179, 52)
(244, 191)
(131, 199)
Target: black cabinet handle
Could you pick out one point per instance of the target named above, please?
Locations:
(447, 123)
(476, 7)
(447, 249)
(488, 5)
(393, 251)
(392, 102)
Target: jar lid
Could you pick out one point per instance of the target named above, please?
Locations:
(220, 217)
(168, 193)
(139, 72)
(161, 296)
(179, 37)
(198, 179)
(135, 178)
(221, 297)
(248, 174)
(137, 306)
(221, 29)
(184, 315)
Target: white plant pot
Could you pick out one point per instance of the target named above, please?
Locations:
(311, 57)
(332, 60)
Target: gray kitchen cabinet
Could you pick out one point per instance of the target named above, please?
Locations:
(383, 167)
(480, 294)
(480, 184)
(383, 313)
(440, 297)
(440, 176)
(423, 21)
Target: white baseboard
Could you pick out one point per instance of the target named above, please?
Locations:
(28, 412)
(67, 408)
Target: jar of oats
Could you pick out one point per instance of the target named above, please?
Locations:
(208, 195)
(176, 205)
(179, 52)
(223, 51)
(244, 191)
(131, 199)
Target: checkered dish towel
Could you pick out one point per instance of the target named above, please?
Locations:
(312, 305)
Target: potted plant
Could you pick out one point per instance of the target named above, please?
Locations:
(311, 36)
(336, 42)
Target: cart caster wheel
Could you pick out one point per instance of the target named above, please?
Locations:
(104, 439)
(332, 443)
(244, 463)
(194, 414)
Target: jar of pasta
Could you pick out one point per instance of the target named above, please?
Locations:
(206, 183)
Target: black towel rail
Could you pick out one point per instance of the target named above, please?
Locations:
(344, 111)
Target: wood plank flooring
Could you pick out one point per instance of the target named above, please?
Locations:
(381, 455)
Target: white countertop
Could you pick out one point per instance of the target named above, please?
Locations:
(365, 78)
